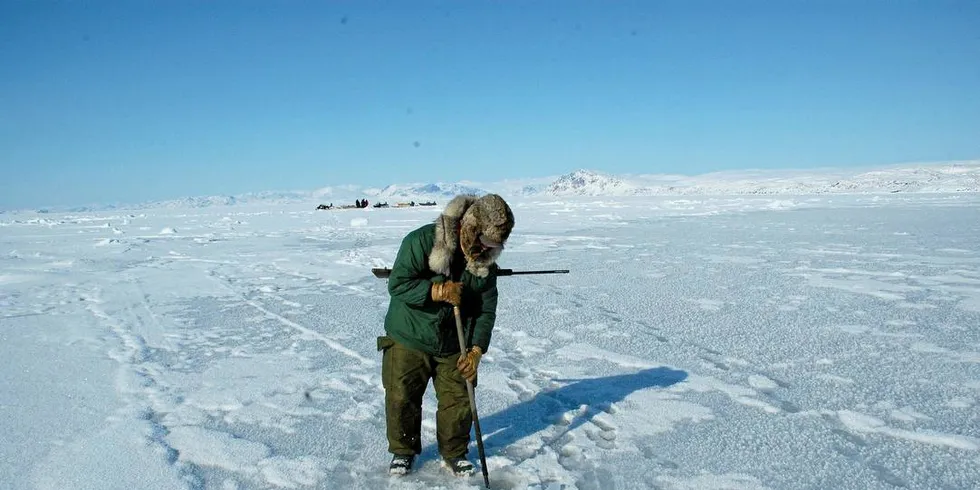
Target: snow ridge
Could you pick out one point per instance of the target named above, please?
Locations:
(924, 178)
(944, 177)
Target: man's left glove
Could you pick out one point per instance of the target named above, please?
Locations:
(468, 363)
(448, 292)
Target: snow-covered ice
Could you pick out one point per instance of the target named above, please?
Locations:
(743, 342)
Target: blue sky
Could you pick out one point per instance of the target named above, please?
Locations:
(106, 102)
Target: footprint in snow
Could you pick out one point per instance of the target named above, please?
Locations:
(523, 394)
(603, 438)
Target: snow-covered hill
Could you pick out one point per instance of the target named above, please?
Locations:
(945, 177)
(962, 176)
(422, 192)
(589, 183)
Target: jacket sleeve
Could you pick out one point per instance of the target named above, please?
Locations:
(484, 321)
(407, 280)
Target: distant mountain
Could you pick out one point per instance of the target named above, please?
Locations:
(418, 192)
(213, 201)
(946, 177)
(202, 202)
(530, 190)
(529, 186)
(589, 183)
(964, 177)
(338, 191)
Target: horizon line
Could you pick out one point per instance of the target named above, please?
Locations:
(474, 183)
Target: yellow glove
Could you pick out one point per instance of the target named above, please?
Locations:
(449, 292)
(468, 363)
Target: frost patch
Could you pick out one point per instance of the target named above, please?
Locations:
(860, 423)
(908, 414)
(204, 447)
(853, 329)
(291, 473)
(927, 348)
(708, 304)
(961, 402)
(762, 383)
(712, 482)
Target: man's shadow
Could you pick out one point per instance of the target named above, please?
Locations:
(584, 398)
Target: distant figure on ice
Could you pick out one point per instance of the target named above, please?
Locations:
(451, 261)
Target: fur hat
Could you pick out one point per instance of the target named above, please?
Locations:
(489, 219)
(466, 220)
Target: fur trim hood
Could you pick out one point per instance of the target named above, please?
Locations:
(468, 218)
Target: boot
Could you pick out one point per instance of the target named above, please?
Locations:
(459, 466)
(401, 465)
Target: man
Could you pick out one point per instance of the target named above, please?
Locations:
(450, 262)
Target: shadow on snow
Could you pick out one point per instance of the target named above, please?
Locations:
(584, 398)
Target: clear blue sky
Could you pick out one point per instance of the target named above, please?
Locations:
(131, 101)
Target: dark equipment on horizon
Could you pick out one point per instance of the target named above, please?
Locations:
(384, 272)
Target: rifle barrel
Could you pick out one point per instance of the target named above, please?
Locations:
(511, 272)
(384, 272)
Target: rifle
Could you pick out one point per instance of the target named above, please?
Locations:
(384, 272)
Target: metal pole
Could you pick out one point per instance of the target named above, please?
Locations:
(470, 392)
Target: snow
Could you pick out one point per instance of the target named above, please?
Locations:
(586, 182)
(919, 178)
(693, 190)
(746, 342)
(419, 192)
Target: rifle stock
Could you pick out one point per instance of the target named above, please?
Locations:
(384, 272)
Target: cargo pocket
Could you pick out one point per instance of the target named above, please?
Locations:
(385, 342)
(384, 345)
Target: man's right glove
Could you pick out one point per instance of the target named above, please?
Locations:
(468, 363)
(449, 292)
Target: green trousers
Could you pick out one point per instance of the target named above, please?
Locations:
(405, 374)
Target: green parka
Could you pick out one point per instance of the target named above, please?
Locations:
(416, 321)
